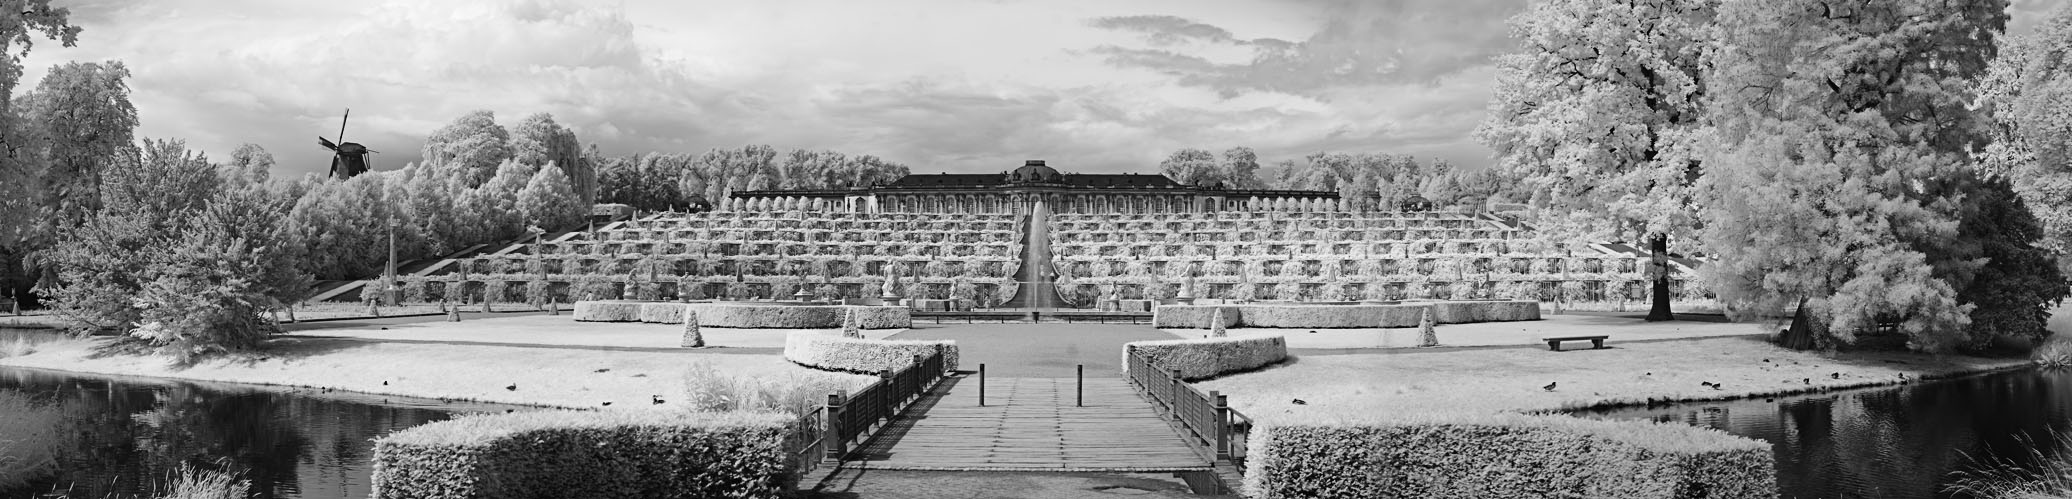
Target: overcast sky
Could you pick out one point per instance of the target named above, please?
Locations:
(940, 85)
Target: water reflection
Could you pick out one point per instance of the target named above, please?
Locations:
(126, 435)
(1897, 442)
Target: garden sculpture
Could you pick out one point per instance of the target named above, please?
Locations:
(348, 159)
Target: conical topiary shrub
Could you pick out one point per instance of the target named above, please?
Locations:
(1427, 337)
(1216, 323)
(691, 337)
(849, 329)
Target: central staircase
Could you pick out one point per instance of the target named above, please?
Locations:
(1038, 278)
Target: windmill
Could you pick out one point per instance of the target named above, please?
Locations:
(347, 158)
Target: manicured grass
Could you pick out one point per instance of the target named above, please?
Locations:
(560, 377)
(1350, 387)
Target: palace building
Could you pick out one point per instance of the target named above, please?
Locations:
(1018, 191)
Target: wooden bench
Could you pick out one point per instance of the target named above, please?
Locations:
(1595, 341)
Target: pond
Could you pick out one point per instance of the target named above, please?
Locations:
(122, 437)
(1893, 442)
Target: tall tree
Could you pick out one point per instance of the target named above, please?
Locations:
(1603, 110)
(87, 121)
(250, 165)
(1240, 168)
(548, 202)
(539, 141)
(2028, 92)
(1191, 167)
(472, 144)
(1846, 132)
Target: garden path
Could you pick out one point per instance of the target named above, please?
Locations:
(1031, 424)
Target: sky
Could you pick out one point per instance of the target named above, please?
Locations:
(959, 86)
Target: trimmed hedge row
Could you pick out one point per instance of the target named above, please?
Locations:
(1209, 357)
(1506, 455)
(608, 311)
(799, 316)
(1314, 316)
(744, 315)
(554, 454)
(662, 313)
(858, 355)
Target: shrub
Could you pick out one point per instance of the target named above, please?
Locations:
(858, 355)
(1505, 455)
(799, 316)
(608, 311)
(1302, 316)
(708, 390)
(553, 454)
(1485, 311)
(662, 313)
(1194, 359)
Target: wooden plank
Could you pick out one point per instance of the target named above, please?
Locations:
(1032, 424)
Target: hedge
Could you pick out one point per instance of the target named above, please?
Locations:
(744, 315)
(1506, 455)
(858, 355)
(757, 316)
(1315, 316)
(1209, 357)
(608, 311)
(662, 313)
(554, 454)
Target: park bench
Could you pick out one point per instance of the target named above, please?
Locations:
(1555, 343)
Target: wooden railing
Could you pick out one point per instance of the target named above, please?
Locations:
(1205, 418)
(856, 416)
(808, 442)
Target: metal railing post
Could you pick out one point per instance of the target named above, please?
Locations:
(1221, 425)
(835, 446)
(1082, 387)
(981, 385)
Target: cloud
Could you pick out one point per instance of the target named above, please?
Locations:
(941, 86)
(1358, 43)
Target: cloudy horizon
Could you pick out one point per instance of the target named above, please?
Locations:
(962, 87)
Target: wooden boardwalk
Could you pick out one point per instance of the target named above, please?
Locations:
(1030, 424)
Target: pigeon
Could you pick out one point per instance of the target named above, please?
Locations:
(513, 387)
(657, 399)
(1550, 386)
(1300, 402)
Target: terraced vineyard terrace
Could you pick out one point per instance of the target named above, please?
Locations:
(1335, 256)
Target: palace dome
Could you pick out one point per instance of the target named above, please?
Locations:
(1034, 171)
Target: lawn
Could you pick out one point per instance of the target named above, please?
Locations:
(1353, 386)
(545, 376)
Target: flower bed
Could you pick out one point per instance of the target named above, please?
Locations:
(760, 316)
(608, 311)
(1210, 357)
(856, 355)
(583, 453)
(1506, 455)
(1314, 316)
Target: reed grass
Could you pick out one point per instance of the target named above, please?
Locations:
(709, 390)
(195, 483)
(19, 346)
(2003, 478)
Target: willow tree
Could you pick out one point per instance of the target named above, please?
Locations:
(1601, 115)
(1846, 134)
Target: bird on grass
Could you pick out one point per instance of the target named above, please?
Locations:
(1808, 381)
(384, 383)
(607, 404)
(1550, 386)
(508, 411)
(513, 387)
(1300, 402)
(601, 370)
(657, 399)
(1709, 384)
(1835, 375)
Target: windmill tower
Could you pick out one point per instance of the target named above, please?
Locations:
(347, 158)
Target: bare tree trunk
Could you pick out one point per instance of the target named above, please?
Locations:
(1659, 247)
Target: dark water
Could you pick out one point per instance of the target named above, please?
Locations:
(125, 436)
(1896, 442)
